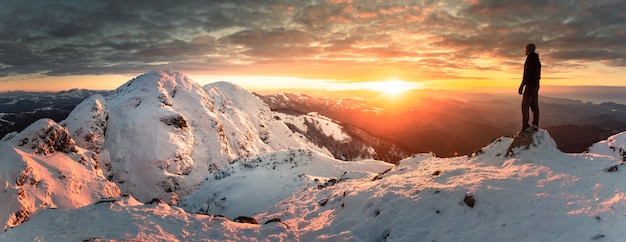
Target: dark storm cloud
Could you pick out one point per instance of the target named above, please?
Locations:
(433, 38)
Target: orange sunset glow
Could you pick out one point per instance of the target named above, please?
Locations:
(332, 44)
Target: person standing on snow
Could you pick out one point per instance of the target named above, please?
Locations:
(530, 80)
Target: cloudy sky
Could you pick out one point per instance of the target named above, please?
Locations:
(438, 43)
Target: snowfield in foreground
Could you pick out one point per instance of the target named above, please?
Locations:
(538, 194)
(214, 163)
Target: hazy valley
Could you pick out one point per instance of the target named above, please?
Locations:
(449, 123)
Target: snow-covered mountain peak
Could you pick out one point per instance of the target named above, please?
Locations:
(160, 133)
(161, 79)
(74, 93)
(156, 87)
(227, 87)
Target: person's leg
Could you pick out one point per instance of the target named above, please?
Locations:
(526, 100)
(534, 106)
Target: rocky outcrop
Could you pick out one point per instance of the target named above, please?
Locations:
(43, 168)
(44, 137)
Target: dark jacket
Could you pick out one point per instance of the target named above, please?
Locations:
(532, 70)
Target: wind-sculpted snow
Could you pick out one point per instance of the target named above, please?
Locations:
(42, 169)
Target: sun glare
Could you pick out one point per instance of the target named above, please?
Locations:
(394, 87)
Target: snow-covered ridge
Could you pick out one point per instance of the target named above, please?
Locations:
(325, 124)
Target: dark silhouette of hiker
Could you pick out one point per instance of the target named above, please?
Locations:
(530, 88)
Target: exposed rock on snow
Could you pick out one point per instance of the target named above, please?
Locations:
(44, 137)
(244, 219)
(527, 140)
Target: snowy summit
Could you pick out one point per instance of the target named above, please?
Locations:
(164, 159)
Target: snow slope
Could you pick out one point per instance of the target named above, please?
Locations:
(252, 120)
(536, 194)
(253, 185)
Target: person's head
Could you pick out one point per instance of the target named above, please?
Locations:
(530, 48)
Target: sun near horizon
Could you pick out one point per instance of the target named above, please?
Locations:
(393, 88)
